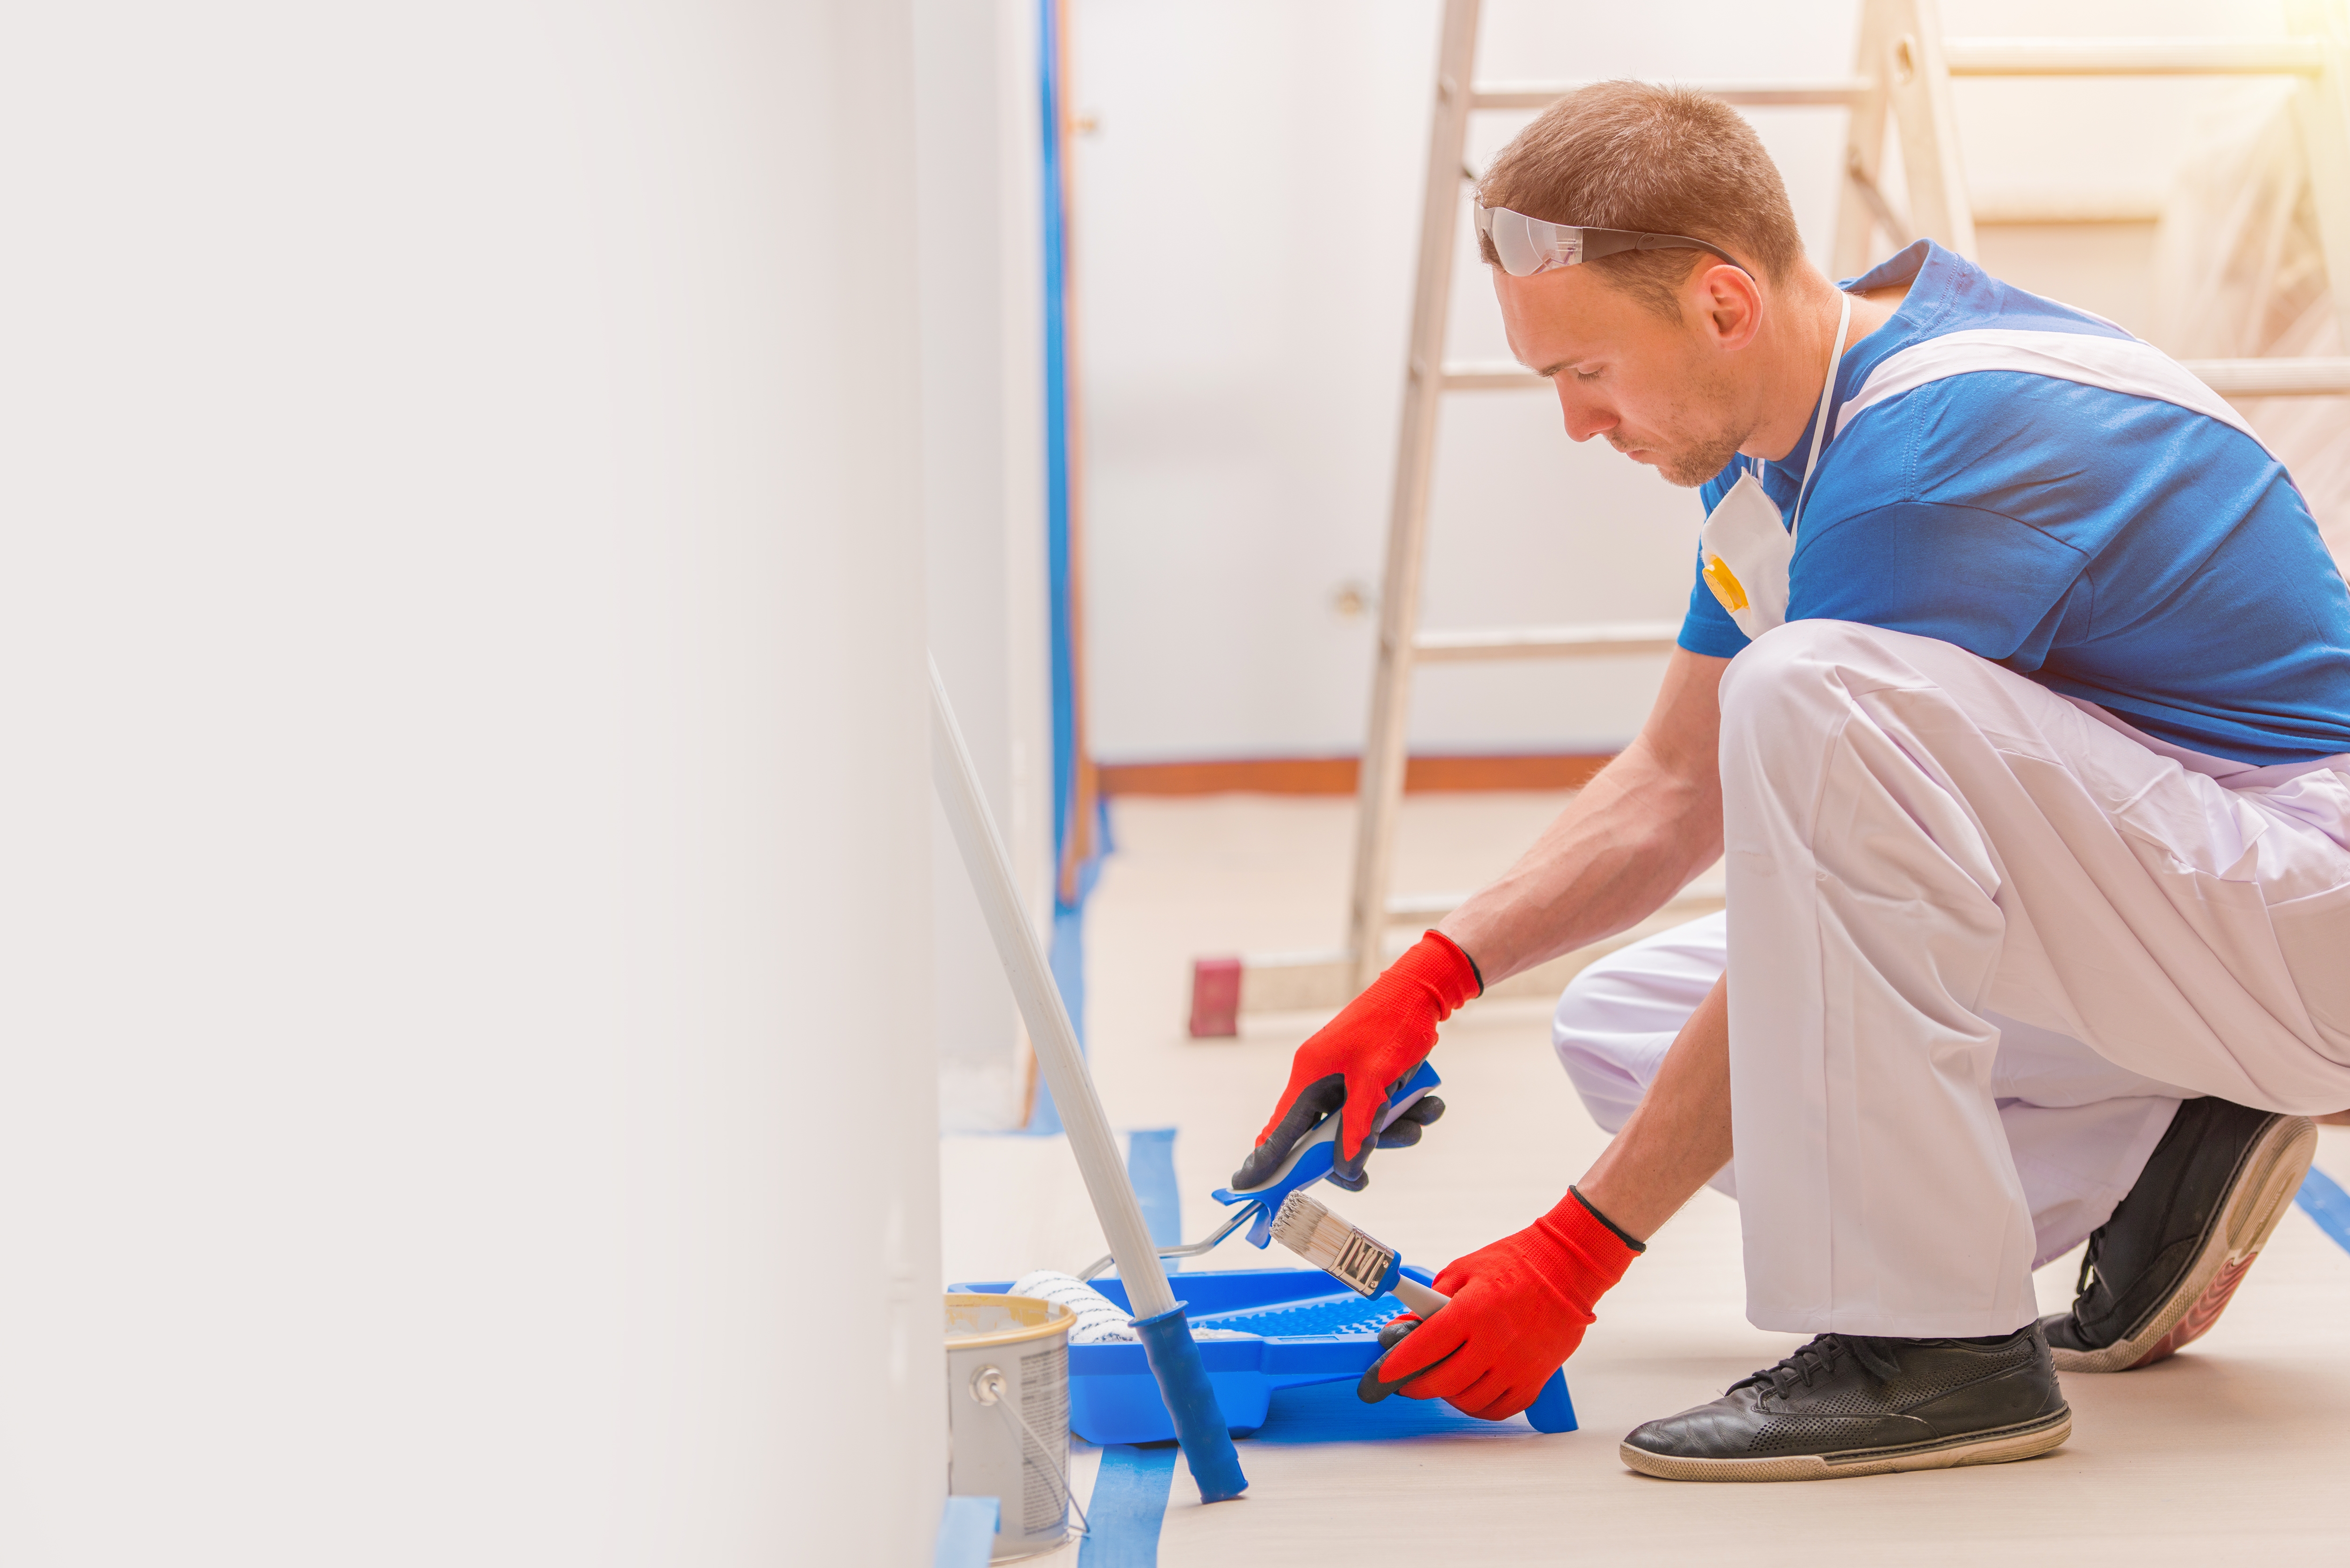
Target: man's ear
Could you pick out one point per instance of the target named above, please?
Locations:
(1727, 304)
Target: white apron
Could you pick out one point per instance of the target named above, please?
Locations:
(1746, 545)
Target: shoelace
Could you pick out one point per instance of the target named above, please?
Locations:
(2089, 1262)
(1820, 1355)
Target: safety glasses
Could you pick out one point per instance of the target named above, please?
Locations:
(1529, 246)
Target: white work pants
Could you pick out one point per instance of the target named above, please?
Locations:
(1917, 841)
(2078, 1129)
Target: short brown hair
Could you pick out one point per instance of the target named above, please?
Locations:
(1658, 159)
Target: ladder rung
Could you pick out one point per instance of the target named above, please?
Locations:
(1833, 91)
(2133, 56)
(2281, 378)
(1699, 897)
(2011, 207)
(1548, 641)
(1497, 377)
(1321, 981)
(1989, 57)
(2310, 377)
(1413, 908)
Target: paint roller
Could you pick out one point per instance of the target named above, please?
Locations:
(1158, 1320)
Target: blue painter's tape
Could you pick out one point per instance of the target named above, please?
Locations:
(2322, 1198)
(1129, 1505)
(967, 1532)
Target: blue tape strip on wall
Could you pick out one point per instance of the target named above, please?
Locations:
(1067, 945)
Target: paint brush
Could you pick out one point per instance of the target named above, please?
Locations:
(1368, 1266)
(1353, 1257)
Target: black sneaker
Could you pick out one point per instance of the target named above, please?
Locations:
(1848, 1406)
(2158, 1274)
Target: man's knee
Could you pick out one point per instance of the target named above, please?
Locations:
(1797, 678)
(1796, 657)
(1610, 1067)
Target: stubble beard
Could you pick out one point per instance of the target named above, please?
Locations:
(1696, 458)
(1693, 465)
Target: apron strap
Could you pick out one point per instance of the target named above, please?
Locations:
(1820, 425)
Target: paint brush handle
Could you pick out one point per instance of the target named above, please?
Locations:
(1416, 1296)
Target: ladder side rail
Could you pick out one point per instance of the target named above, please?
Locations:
(1857, 217)
(1380, 790)
(2322, 114)
(1918, 79)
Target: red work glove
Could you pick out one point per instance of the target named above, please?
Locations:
(1519, 1308)
(1359, 1058)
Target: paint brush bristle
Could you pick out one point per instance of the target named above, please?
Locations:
(1347, 1255)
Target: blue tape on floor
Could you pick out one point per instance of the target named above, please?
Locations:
(1129, 1504)
(2322, 1198)
(1150, 1167)
(1331, 1413)
(966, 1532)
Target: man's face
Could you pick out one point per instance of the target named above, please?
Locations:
(1662, 392)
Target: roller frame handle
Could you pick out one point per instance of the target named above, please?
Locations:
(1311, 1160)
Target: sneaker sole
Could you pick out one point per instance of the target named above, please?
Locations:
(1993, 1448)
(2271, 1172)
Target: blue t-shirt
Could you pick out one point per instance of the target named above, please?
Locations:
(2137, 554)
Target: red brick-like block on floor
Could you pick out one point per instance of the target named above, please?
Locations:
(1215, 998)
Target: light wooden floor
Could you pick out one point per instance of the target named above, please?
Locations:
(2239, 1448)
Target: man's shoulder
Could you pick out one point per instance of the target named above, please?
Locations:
(1950, 297)
(1971, 366)
(1948, 293)
(2041, 445)
(1993, 389)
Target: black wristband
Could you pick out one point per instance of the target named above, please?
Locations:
(1613, 1228)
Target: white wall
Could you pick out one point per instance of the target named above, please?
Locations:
(978, 134)
(1246, 217)
(465, 1075)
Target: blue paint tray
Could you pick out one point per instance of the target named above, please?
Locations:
(1302, 1328)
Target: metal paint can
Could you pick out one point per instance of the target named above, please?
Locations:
(1008, 1415)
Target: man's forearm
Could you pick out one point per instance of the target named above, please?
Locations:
(1680, 1134)
(1629, 842)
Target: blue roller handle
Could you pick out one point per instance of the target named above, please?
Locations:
(1198, 1423)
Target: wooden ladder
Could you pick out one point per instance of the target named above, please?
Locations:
(1902, 69)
